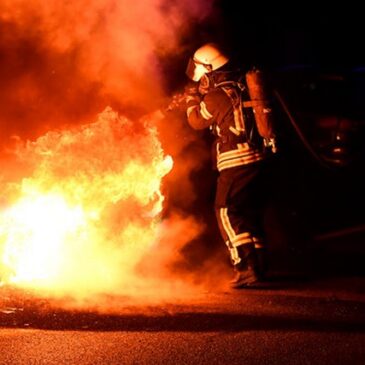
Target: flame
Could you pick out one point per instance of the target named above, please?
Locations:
(88, 212)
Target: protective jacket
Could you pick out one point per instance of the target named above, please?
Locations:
(237, 142)
(239, 153)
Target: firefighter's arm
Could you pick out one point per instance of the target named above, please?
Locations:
(197, 114)
(179, 101)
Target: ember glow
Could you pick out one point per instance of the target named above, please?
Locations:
(90, 209)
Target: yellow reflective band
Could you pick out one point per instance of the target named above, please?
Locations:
(227, 224)
(243, 146)
(228, 243)
(190, 109)
(234, 255)
(235, 98)
(234, 131)
(258, 242)
(235, 239)
(242, 239)
(238, 153)
(204, 112)
(238, 119)
(238, 161)
(190, 98)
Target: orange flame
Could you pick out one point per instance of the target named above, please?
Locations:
(89, 211)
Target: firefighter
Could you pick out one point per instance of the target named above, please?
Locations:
(214, 98)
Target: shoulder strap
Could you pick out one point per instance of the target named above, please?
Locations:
(234, 91)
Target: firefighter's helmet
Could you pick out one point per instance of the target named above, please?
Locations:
(207, 58)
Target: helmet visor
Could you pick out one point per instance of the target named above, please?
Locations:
(195, 70)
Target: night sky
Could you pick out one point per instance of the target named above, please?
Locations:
(278, 35)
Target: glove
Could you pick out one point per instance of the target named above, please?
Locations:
(192, 95)
(181, 100)
(176, 102)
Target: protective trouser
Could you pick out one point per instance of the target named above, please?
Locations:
(239, 208)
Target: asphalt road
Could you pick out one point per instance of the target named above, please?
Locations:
(316, 320)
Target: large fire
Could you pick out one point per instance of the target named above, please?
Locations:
(80, 209)
(88, 210)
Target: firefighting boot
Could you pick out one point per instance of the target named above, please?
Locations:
(246, 271)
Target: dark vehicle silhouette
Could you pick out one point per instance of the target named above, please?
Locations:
(321, 123)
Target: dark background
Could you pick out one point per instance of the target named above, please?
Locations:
(277, 34)
(314, 60)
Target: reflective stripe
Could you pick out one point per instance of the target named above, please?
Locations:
(190, 98)
(190, 109)
(236, 101)
(243, 146)
(238, 119)
(227, 224)
(237, 157)
(233, 252)
(234, 255)
(238, 162)
(235, 239)
(242, 239)
(239, 152)
(258, 242)
(234, 131)
(204, 112)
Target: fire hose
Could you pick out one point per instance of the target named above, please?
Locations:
(299, 132)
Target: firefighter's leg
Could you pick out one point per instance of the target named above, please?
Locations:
(242, 251)
(246, 271)
(237, 217)
(246, 205)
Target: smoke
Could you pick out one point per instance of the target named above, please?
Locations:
(61, 63)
